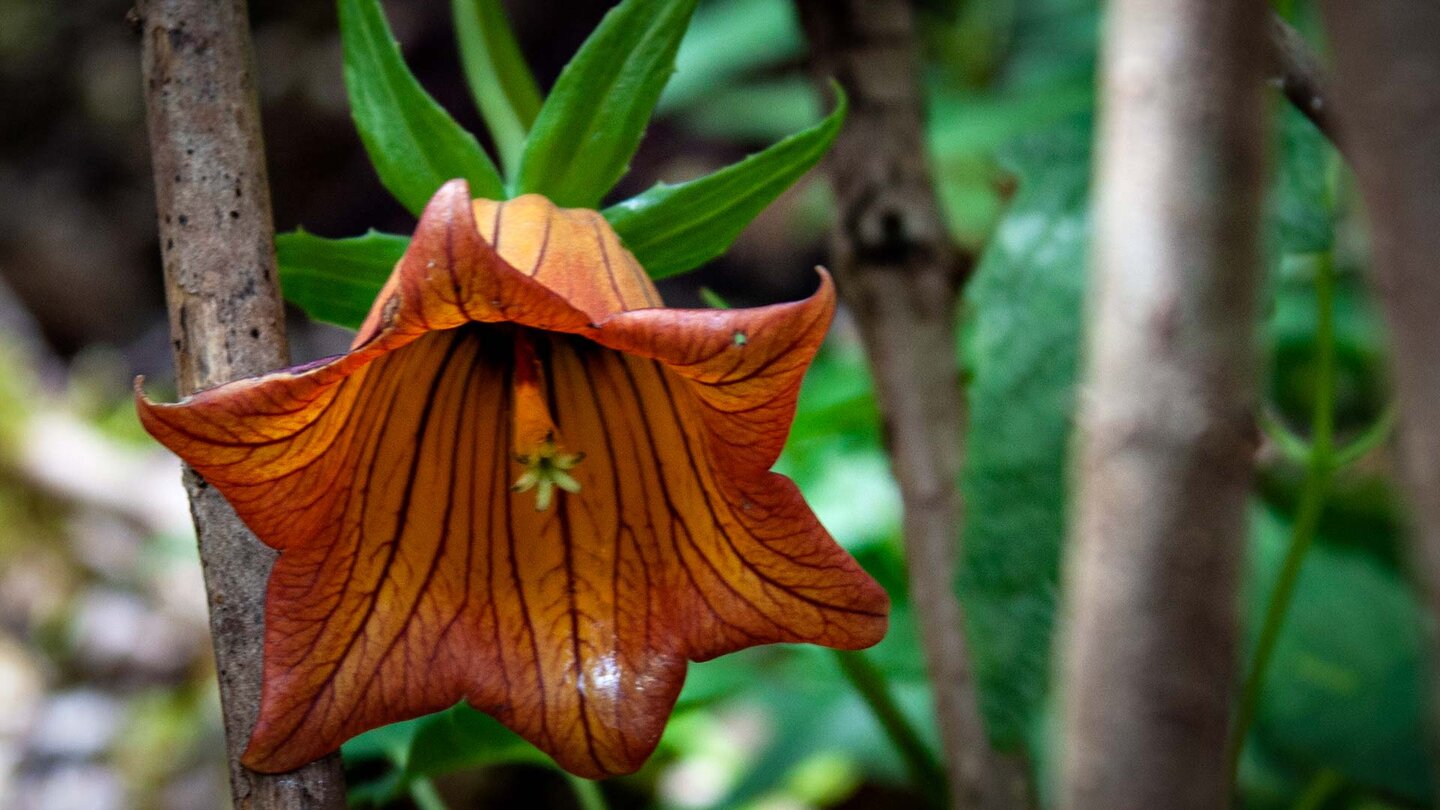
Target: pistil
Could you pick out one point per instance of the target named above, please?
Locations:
(537, 444)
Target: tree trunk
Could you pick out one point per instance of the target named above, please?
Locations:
(1166, 423)
(899, 275)
(226, 321)
(1387, 75)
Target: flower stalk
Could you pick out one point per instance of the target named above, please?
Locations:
(872, 686)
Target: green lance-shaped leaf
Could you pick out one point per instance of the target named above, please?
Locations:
(336, 280)
(413, 143)
(671, 229)
(592, 121)
(499, 79)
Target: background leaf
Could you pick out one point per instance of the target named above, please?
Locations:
(708, 56)
(1347, 688)
(499, 79)
(336, 280)
(671, 229)
(1020, 343)
(592, 122)
(463, 737)
(413, 143)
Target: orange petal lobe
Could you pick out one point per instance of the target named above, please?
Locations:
(571, 251)
(743, 366)
(450, 276)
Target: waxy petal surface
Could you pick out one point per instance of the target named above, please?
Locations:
(411, 576)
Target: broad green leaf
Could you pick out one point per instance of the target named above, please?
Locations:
(1347, 686)
(1021, 338)
(336, 280)
(413, 143)
(592, 122)
(671, 229)
(499, 79)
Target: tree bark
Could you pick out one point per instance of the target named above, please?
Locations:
(226, 321)
(899, 275)
(1387, 71)
(1166, 436)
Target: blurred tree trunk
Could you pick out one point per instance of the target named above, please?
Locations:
(899, 275)
(226, 322)
(1387, 75)
(1166, 422)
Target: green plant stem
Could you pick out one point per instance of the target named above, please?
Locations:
(1374, 436)
(423, 793)
(587, 793)
(870, 683)
(1319, 472)
(1322, 787)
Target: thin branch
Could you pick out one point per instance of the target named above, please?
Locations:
(1387, 61)
(1321, 463)
(226, 322)
(1300, 76)
(1166, 423)
(900, 277)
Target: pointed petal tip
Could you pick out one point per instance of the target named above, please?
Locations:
(450, 190)
(144, 407)
(826, 290)
(279, 760)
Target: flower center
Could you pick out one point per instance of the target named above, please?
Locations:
(538, 447)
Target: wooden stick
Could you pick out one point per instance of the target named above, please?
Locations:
(900, 277)
(226, 321)
(1387, 74)
(1167, 408)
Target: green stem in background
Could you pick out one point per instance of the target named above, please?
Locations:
(587, 793)
(870, 683)
(1325, 784)
(1374, 436)
(1319, 471)
(423, 793)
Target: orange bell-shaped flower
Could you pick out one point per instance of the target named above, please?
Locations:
(528, 486)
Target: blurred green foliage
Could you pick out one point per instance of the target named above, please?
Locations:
(1011, 87)
(1020, 344)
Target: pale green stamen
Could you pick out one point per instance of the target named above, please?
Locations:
(546, 470)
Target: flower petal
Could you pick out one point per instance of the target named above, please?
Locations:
(450, 276)
(572, 251)
(744, 366)
(743, 561)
